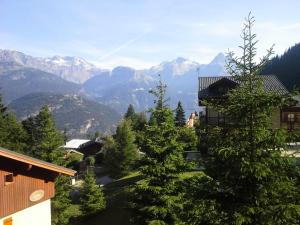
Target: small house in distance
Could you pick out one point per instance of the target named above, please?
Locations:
(192, 120)
(217, 88)
(26, 187)
(83, 146)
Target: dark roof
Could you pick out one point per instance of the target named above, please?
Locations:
(35, 162)
(271, 83)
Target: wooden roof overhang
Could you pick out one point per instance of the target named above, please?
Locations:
(35, 162)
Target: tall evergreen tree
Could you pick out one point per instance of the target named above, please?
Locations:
(157, 200)
(44, 140)
(247, 180)
(179, 115)
(121, 153)
(130, 113)
(12, 134)
(92, 198)
(60, 215)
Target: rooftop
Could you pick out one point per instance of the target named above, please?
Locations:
(271, 84)
(76, 143)
(35, 162)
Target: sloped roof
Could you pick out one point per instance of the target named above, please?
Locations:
(271, 83)
(35, 162)
(76, 143)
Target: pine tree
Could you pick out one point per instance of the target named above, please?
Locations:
(121, 152)
(92, 199)
(179, 116)
(157, 200)
(125, 140)
(130, 114)
(3, 108)
(61, 202)
(44, 140)
(12, 134)
(247, 180)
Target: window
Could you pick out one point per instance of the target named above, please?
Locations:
(8, 179)
(8, 221)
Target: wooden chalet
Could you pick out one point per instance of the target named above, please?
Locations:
(26, 187)
(217, 87)
(84, 146)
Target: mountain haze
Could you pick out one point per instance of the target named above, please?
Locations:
(15, 83)
(116, 88)
(73, 69)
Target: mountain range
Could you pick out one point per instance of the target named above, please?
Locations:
(23, 75)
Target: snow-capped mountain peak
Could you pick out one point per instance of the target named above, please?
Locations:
(218, 60)
(176, 67)
(73, 69)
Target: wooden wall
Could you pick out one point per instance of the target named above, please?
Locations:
(16, 196)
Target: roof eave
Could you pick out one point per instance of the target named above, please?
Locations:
(35, 162)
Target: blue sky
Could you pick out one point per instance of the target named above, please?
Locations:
(142, 33)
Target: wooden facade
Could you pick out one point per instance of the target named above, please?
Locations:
(25, 181)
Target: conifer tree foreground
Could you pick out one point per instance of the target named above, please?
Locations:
(157, 200)
(247, 181)
(92, 198)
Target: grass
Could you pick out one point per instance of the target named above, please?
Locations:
(117, 211)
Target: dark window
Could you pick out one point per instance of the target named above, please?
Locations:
(8, 178)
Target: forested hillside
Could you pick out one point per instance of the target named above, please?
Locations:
(77, 115)
(286, 67)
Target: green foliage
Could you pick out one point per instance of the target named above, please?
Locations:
(73, 160)
(138, 123)
(12, 134)
(157, 200)
(179, 116)
(60, 204)
(130, 114)
(247, 180)
(44, 140)
(286, 67)
(90, 161)
(121, 151)
(188, 138)
(92, 199)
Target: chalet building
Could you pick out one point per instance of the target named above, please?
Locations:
(217, 87)
(26, 187)
(192, 120)
(83, 146)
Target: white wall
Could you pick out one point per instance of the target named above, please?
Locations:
(39, 214)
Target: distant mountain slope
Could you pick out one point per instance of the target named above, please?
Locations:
(117, 88)
(286, 67)
(15, 83)
(73, 69)
(71, 112)
(124, 85)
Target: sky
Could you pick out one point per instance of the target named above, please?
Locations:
(143, 33)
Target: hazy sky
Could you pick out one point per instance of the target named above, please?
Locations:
(142, 33)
